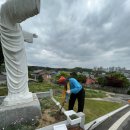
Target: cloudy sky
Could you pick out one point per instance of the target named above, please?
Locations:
(83, 33)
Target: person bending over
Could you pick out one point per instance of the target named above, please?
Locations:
(76, 91)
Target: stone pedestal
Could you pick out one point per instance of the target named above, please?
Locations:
(18, 98)
(21, 113)
(82, 115)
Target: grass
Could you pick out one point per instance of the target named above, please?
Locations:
(20, 127)
(45, 86)
(33, 87)
(42, 87)
(93, 109)
(3, 91)
(90, 93)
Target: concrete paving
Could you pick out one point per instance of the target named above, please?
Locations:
(113, 97)
(120, 121)
(111, 120)
(125, 125)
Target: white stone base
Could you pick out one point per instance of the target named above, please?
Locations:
(20, 114)
(16, 99)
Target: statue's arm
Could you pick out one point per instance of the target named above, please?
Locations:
(28, 37)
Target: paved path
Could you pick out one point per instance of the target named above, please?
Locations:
(119, 121)
(125, 125)
(113, 97)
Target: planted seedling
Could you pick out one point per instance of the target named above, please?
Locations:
(73, 116)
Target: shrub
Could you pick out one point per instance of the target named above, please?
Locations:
(128, 92)
(40, 78)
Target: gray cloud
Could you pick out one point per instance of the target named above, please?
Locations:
(82, 33)
(2, 1)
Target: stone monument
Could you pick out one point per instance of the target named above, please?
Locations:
(12, 13)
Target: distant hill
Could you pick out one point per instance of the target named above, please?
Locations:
(76, 69)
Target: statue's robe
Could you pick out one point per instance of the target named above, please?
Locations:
(28, 37)
(14, 12)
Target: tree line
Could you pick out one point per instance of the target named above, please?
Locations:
(114, 79)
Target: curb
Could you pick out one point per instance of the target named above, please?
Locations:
(98, 121)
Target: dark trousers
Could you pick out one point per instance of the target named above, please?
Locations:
(81, 98)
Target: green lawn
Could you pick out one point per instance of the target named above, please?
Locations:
(90, 93)
(93, 109)
(3, 91)
(41, 87)
(44, 86)
(33, 87)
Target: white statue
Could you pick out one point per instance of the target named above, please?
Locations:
(14, 12)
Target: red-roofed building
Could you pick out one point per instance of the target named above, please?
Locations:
(90, 81)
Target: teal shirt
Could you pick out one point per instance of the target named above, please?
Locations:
(75, 86)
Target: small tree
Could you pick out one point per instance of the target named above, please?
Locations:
(81, 78)
(62, 73)
(40, 78)
(102, 81)
(117, 79)
(114, 79)
(1, 55)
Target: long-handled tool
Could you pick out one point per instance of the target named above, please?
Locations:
(62, 106)
(65, 96)
(65, 101)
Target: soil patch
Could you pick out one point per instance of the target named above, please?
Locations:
(50, 113)
(74, 116)
(74, 128)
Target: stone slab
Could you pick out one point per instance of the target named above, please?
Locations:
(21, 113)
(42, 95)
(50, 127)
